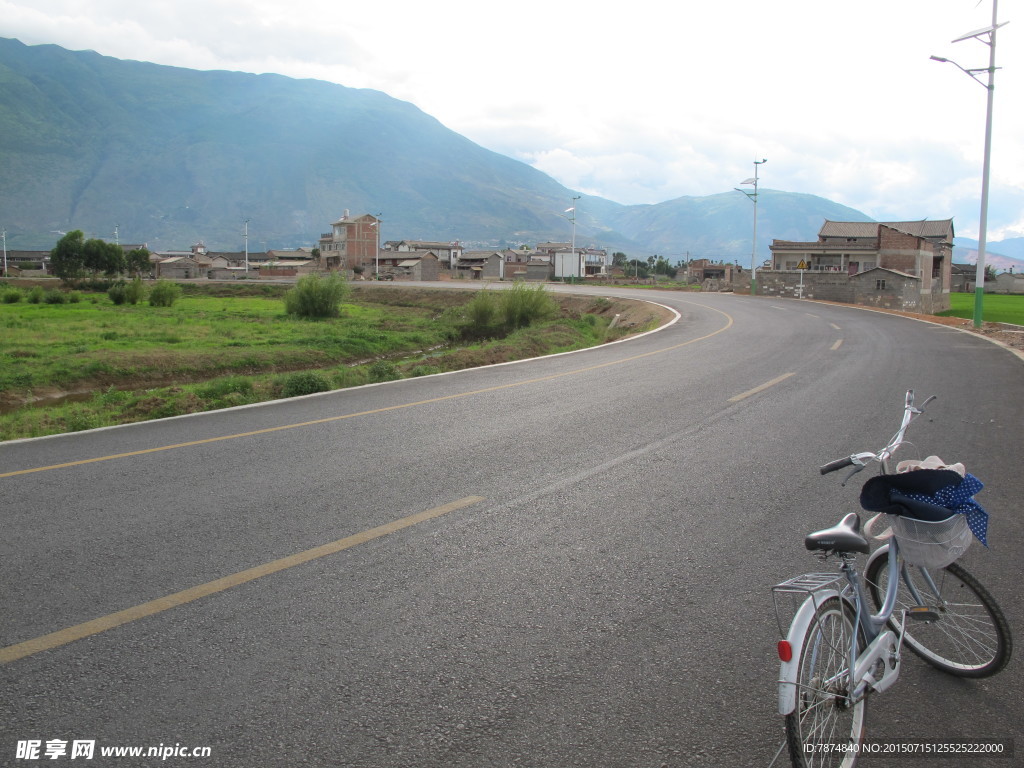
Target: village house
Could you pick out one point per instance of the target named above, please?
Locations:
(481, 265)
(447, 253)
(352, 242)
(1008, 282)
(897, 265)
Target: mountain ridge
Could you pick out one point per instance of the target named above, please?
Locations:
(173, 156)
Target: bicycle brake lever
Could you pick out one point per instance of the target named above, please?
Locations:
(853, 472)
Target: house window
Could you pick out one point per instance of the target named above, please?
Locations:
(879, 285)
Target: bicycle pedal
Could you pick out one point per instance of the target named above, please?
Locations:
(922, 613)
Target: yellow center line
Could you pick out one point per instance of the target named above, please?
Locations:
(329, 419)
(839, 343)
(110, 621)
(761, 388)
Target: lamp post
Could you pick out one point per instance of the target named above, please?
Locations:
(376, 250)
(753, 250)
(572, 247)
(979, 278)
(3, 233)
(246, 246)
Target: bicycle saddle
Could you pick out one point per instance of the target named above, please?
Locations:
(844, 537)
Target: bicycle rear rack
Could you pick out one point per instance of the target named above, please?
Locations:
(790, 594)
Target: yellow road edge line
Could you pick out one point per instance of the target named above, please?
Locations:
(761, 388)
(110, 621)
(837, 345)
(385, 409)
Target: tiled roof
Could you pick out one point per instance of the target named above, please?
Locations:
(941, 229)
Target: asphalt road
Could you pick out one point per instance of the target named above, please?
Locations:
(589, 586)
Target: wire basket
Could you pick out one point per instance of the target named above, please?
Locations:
(931, 544)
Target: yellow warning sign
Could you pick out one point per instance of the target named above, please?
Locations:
(802, 265)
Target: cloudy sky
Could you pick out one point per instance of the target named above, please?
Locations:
(639, 101)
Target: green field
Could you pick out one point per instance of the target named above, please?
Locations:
(73, 366)
(996, 308)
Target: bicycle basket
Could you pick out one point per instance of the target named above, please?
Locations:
(931, 544)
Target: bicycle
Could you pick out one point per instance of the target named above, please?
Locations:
(837, 653)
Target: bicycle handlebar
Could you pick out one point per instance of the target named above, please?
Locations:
(859, 459)
(832, 466)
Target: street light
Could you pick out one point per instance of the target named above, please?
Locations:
(979, 277)
(753, 250)
(376, 251)
(4, 234)
(572, 247)
(246, 246)
(979, 286)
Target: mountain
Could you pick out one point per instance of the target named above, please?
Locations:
(1003, 255)
(172, 156)
(722, 224)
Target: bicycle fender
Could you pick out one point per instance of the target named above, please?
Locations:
(797, 632)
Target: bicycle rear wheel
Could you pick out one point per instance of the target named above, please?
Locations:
(967, 634)
(826, 729)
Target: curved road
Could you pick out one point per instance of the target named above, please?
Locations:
(560, 562)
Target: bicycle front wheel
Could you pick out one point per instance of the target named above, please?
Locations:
(963, 631)
(826, 728)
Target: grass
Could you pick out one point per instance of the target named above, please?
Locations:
(93, 363)
(996, 308)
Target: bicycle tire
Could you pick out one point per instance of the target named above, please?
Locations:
(825, 731)
(971, 637)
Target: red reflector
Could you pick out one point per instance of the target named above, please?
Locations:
(785, 650)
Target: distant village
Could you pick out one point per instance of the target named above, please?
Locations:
(896, 265)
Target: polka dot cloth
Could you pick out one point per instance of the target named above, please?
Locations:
(957, 498)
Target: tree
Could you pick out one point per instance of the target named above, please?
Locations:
(100, 256)
(636, 268)
(137, 261)
(67, 259)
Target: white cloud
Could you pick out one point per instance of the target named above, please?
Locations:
(637, 103)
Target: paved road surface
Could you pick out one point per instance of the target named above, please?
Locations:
(589, 586)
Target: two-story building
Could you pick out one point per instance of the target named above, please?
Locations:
(902, 265)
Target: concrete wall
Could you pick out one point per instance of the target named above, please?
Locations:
(874, 288)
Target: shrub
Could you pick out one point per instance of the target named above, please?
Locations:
(488, 315)
(304, 383)
(164, 294)
(523, 305)
(74, 297)
(55, 296)
(36, 295)
(118, 293)
(316, 297)
(12, 296)
(135, 291)
(481, 316)
(382, 370)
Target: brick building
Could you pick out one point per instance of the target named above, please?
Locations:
(917, 254)
(352, 242)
